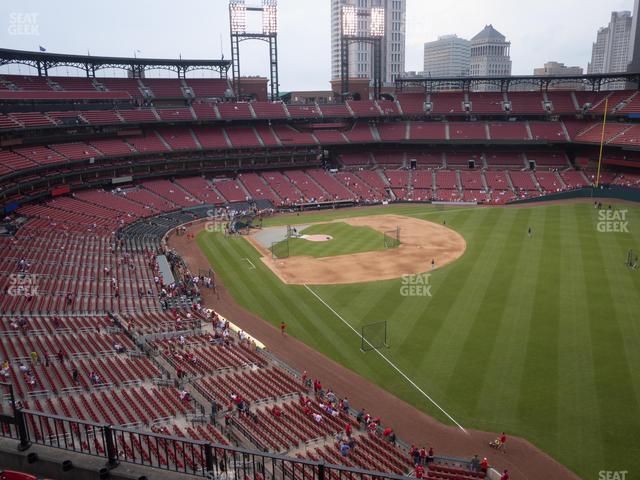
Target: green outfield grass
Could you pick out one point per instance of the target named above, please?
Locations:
(537, 336)
(346, 239)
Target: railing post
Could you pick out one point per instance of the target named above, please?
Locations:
(23, 433)
(208, 457)
(111, 450)
(321, 471)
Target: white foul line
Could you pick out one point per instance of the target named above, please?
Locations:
(411, 382)
(250, 263)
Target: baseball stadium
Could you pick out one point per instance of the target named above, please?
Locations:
(206, 277)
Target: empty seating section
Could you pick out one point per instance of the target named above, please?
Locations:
(234, 111)
(629, 136)
(504, 159)
(593, 132)
(28, 82)
(41, 155)
(399, 182)
(361, 132)
(364, 108)
(412, 103)
(175, 114)
(389, 158)
(267, 136)
(311, 191)
(73, 83)
(164, 87)
(283, 187)
(428, 158)
(290, 136)
(563, 102)
(116, 201)
(243, 137)
(552, 131)
(459, 159)
(178, 138)
(549, 181)
(467, 131)
(427, 131)
(171, 192)
(32, 119)
(522, 180)
(392, 131)
(269, 110)
(574, 179)
(486, 103)
(100, 117)
(329, 137)
(129, 85)
(11, 161)
(211, 137)
(548, 159)
(355, 159)
(208, 87)
(508, 131)
(447, 103)
(7, 122)
(336, 110)
(150, 200)
(330, 184)
(632, 106)
(258, 188)
(447, 180)
(526, 102)
(149, 142)
(303, 111)
(362, 190)
(76, 151)
(615, 99)
(113, 147)
(389, 108)
(497, 180)
(141, 115)
(230, 190)
(471, 180)
(204, 111)
(201, 189)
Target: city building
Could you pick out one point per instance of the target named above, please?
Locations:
(490, 56)
(448, 56)
(560, 69)
(361, 54)
(612, 51)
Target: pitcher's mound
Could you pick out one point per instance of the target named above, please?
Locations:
(317, 238)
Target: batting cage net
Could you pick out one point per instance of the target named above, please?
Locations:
(392, 238)
(280, 249)
(374, 336)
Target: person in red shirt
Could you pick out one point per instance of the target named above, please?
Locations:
(503, 440)
(347, 429)
(387, 431)
(419, 471)
(505, 475)
(423, 455)
(430, 455)
(484, 465)
(283, 327)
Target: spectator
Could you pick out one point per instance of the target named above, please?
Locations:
(344, 449)
(345, 405)
(419, 471)
(430, 455)
(484, 465)
(34, 357)
(505, 475)
(474, 464)
(360, 417)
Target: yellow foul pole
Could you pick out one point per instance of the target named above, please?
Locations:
(604, 124)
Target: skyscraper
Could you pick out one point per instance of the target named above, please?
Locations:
(449, 56)
(634, 46)
(490, 55)
(610, 52)
(361, 54)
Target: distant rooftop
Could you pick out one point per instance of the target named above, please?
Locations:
(489, 33)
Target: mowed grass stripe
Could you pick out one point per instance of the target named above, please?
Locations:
(487, 315)
(578, 419)
(612, 373)
(496, 407)
(538, 397)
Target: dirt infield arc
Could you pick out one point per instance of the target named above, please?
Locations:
(421, 242)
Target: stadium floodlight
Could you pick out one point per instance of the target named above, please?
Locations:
(238, 16)
(269, 17)
(349, 21)
(377, 22)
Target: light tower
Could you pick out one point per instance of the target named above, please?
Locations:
(349, 34)
(238, 11)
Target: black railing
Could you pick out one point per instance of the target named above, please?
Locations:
(181, 455)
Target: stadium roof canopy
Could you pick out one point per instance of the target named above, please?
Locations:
(43, 61)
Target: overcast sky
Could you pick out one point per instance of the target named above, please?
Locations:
(560, 30)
